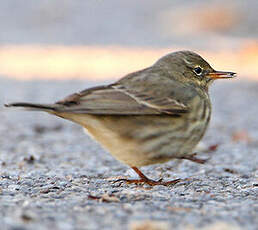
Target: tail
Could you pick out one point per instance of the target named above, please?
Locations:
(31, 106)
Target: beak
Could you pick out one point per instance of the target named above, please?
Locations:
(221, 75)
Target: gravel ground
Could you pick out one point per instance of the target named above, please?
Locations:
(54, 176)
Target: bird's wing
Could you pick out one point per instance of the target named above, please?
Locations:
(117, 100)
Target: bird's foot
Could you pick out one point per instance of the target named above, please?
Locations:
(194, 159)
(145, 180)
(149, 181)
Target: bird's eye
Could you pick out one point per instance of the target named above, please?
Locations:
(198, 70)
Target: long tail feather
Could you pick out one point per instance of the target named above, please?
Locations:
(31, 106)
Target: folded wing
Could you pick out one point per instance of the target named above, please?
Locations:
(117, 100)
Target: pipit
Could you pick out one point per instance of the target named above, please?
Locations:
(150, 116)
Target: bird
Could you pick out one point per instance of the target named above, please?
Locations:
(147, 117)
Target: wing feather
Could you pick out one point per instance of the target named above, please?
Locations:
(117, 100)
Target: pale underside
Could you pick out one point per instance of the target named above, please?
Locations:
(142, 140)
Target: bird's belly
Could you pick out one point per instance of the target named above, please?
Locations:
(143, 140)
(112, 132)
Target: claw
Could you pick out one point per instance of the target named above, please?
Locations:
(149, 182)
(146, 180)
(195, 159)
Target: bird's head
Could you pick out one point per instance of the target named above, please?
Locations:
(187, 66)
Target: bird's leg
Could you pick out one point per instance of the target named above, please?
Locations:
(194, 159)
(144, 179)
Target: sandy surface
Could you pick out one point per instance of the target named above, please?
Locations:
(52, 176)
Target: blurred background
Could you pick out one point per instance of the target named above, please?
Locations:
(52, 176)
(103, 40)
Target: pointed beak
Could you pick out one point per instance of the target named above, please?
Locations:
(221, 75)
